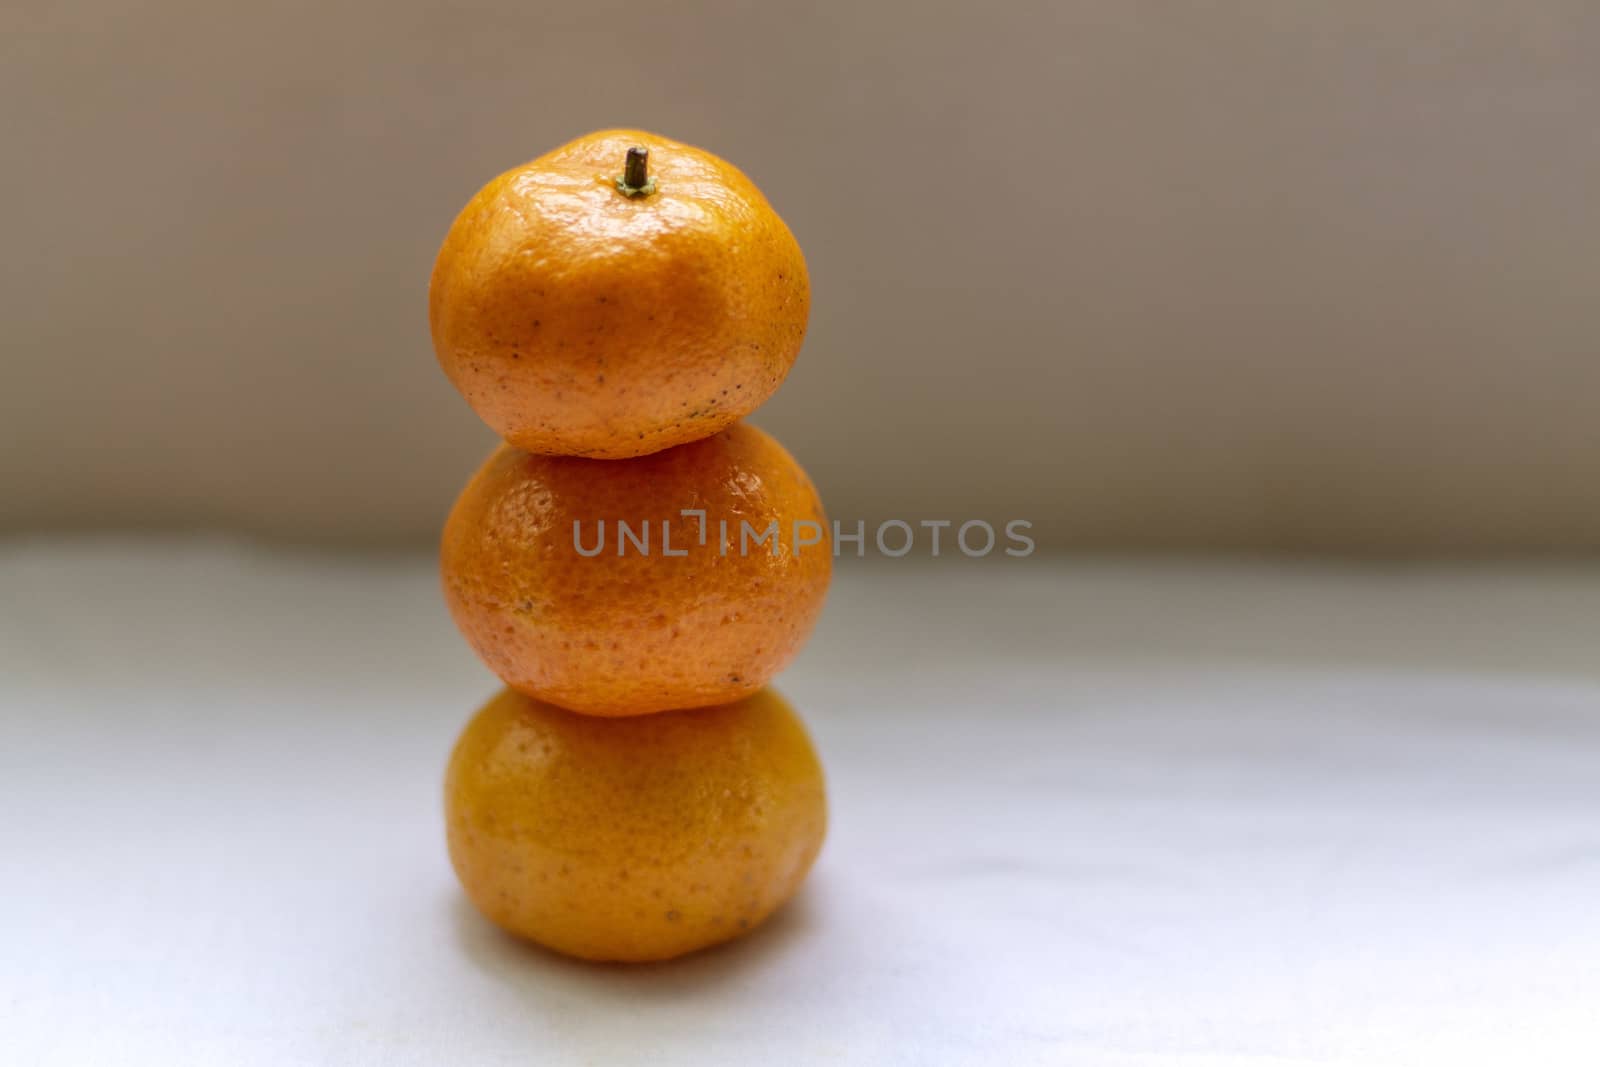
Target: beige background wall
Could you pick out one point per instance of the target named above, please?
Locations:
(1260, 274)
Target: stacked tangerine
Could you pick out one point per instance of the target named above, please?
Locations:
(637, 791)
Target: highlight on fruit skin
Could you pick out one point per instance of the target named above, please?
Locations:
(582, 314)
(633, 839)
(682, 623)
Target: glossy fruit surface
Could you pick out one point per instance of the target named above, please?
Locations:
(580, 320)
(633, 839)
(663, 614)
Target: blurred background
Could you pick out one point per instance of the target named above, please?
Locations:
(1251, 277)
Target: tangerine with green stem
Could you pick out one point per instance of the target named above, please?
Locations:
(619, 295)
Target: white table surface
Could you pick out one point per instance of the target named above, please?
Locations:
(1088, 813)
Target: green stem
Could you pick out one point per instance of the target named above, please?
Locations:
(636, 180)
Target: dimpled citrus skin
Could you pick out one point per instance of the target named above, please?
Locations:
(633, 839)
(580, 321)
(634, 633)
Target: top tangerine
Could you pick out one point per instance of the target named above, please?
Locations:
(620, 295)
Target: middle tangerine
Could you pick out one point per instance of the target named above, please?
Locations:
(681, 579)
